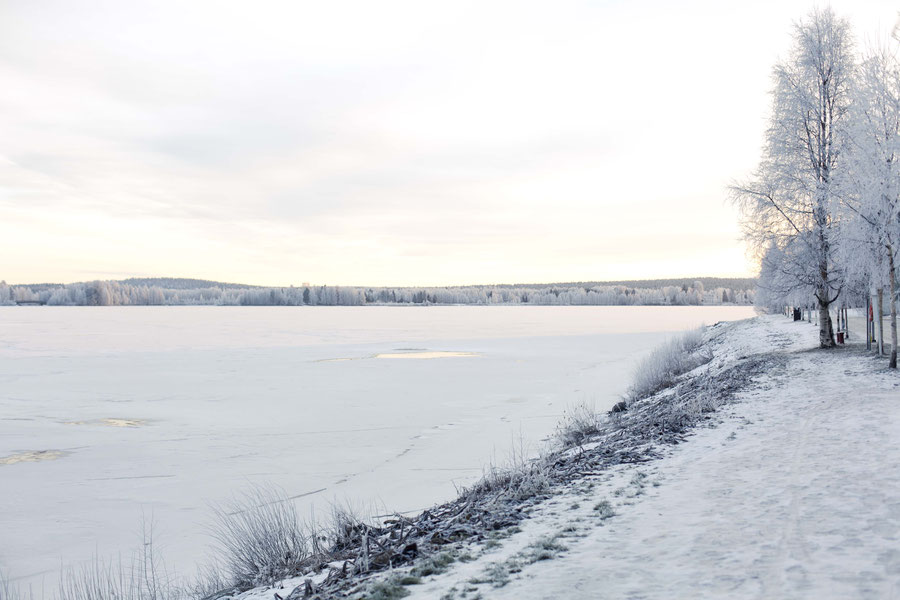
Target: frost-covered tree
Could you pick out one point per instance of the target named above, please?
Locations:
(871, 196)
(6, 295)
(778, 284)
(789, 200)
(155, 291)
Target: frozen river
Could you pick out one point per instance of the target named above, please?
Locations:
(108, 414)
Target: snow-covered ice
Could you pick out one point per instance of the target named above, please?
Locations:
(108, 414)
(794, 494)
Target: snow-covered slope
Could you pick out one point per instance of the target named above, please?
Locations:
(794, 494)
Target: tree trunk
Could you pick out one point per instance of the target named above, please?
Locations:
(868, 323)
(893, 279)
(826, 332)
(878, 315)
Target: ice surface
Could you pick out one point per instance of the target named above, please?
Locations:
(161, 410)
(425, 354)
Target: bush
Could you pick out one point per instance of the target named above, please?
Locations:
(578, 424)
(522, 478)
(260, 538)
(345, 530)
(662, 367)
(514, 483)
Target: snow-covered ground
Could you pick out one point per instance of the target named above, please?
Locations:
(794, 494)
(108, 414)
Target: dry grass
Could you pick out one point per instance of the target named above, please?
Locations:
(663, 366)
(208, 582)
(143, 576)
(260, 539)
(344, 530)
(579, 423)
(259, 536)
(8, 590)
(521, 479)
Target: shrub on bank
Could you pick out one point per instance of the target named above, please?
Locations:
(663, 366)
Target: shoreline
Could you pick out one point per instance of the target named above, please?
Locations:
(452, 414)
(507, 534)
(591, 519)
(496, 507)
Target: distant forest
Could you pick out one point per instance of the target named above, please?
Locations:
(181, 292)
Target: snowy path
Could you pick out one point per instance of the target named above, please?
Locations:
(796, 494)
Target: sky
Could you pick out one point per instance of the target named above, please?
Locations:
(384, 143)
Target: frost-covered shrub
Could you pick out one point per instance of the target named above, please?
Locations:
(345, 530)
(578, 424)
(660, 370)
(259, 536)
(520, 479)
(517, 482)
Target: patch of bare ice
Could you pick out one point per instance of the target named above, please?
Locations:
(110, 422)
(32, 456)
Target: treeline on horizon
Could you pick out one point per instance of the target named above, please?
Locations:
(182, 292)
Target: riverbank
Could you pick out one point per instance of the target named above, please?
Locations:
(788, 489)
(766, 468)
(793, 494)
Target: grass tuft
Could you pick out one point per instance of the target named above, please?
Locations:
(8, 591)
(390, 589)
(433, 565)
(579, 423)
(259, 536)
(604, 509)
(142, 577)
(544, 548)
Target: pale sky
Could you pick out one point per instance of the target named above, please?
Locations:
(384, 143)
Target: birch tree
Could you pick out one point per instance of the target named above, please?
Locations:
(872, 197)
(789, 200)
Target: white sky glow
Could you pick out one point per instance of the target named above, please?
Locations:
(384, 143)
